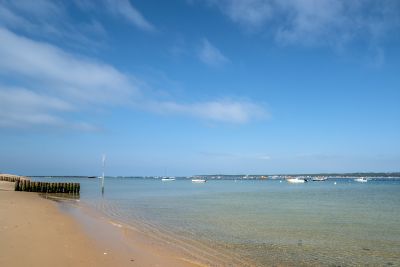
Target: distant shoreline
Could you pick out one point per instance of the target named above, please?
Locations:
(230, 177)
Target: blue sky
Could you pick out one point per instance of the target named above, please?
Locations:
(199, 87)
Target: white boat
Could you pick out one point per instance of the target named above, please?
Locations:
(198, 180)
(320, 179)
(296, 180)
(167, 179)
(361, 180)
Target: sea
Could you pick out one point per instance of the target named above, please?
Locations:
(338, 222)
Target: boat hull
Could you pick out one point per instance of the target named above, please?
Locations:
(198, 181)
(360, 180)
(167, 179)
(296, 181)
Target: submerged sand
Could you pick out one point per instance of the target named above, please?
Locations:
(34, 232)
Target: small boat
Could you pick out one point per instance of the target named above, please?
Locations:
(198, 180)
(296, 180)
(168, 179)
(320, 179)
(91, 177)
(361, 180)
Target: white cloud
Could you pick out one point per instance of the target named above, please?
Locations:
(70, 75)
(37, 8)
(55, 83)
(25, 99)
(315, 22)
(211, 55)
(125, 9)
(22, 108)
(43, 84)
(119, 9)
(253, 13)
(8, 18)
(264, 157)
(51, 20)
(222, 111)
(55, 20)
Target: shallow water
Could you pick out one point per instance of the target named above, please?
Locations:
(261, 223)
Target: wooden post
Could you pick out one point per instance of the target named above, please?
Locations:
(16, 185)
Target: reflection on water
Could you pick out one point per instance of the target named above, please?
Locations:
(262, 222)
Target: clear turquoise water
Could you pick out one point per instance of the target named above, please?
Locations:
(264, 223)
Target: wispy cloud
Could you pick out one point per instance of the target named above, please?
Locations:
(118, 9)
(248, 13)
(211, 55)
(315, 22)
(125, 9)
(55, 20)
(51, 20)
(222, 111)
(22, 108)
(43, 84)
(72, 76)
(52, 83)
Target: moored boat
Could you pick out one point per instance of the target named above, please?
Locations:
(296, 180)
(198, 180)
(361, 180)
(168, 179)
(320, 179)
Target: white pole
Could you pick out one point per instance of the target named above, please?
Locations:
(102, 178)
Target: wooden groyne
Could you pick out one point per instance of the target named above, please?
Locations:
(26, 185)
(46, 187)
(11, 177)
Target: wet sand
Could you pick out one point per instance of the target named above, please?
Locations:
(35, 232)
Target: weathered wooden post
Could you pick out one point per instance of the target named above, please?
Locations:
(16, 185)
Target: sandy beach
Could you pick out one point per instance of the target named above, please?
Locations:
(35, 232)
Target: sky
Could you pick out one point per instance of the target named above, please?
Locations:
(185, 87)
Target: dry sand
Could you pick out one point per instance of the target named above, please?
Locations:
(34, 232)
